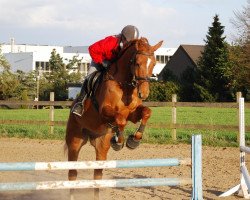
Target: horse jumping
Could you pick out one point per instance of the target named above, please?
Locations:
(117, 100)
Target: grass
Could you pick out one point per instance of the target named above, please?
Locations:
(154, 133)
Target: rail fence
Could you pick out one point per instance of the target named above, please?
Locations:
(173, 125)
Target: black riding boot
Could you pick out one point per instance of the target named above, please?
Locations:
(78, 108)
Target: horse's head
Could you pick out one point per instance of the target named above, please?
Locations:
(142, 65)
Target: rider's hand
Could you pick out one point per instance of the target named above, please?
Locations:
(106, 63)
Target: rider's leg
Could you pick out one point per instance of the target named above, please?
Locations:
(78, 108)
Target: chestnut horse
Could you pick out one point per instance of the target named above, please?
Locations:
(118, 99)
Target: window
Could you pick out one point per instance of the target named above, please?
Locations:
(166, 59)
(42, 66)
(47, 66)
(83, 68)
(157, 58)
(37, 65)
(162, 59)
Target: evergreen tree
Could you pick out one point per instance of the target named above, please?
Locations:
(214, 67)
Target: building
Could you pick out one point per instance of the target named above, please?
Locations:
(163, 56)
(26, 57)
(185, 56)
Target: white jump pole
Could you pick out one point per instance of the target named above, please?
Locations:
(244, 187)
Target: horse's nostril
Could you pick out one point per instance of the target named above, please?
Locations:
(139, 94)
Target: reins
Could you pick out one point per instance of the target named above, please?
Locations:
(135, 80)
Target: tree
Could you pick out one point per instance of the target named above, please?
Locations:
(8, 80)
(240, 51)
(214, 67)
(28, 84)
(3, 62)
(59, 77)
(8, 84)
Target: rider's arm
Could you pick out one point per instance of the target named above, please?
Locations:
(103, 49)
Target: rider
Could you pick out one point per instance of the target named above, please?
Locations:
(103, 53)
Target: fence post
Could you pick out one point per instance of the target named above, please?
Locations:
(51, 113)
(238, 95)
(173, 131)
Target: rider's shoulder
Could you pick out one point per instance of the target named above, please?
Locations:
(112, 37)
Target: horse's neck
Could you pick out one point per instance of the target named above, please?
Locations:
(121, 70)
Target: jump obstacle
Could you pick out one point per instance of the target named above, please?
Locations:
(195, 180)
(244, 187)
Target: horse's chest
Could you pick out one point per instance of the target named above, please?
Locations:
(120, 98)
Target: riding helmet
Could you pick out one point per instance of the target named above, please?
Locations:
(130, 32)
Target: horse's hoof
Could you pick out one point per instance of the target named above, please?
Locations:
(115, 145)
(132, 143)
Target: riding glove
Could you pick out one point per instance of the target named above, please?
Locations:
(106, 63)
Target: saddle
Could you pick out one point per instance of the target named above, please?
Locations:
(92, 81)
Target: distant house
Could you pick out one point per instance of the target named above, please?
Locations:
(162, 55)
(27, 57)
(184, 57)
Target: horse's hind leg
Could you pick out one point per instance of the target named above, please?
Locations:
(142, 113)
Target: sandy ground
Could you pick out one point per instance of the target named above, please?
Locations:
(220, 171)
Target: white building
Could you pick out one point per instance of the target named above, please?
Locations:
(163, 55)
(36, 57)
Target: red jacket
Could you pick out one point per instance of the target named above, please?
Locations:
(105, 49)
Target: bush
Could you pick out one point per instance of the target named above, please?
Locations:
(162, 91)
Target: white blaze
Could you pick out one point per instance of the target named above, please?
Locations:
(148, 63)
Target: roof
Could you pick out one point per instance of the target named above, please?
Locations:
(193, 51)
(165, 51)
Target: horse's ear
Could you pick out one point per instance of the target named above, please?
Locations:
(157, 46)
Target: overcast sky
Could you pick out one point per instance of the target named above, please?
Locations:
(82, 22)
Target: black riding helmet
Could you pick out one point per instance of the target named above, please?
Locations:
(130, 32)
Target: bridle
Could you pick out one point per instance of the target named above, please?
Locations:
(136, 80)
(132, 61)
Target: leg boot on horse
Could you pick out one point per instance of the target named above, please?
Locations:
(143, 113)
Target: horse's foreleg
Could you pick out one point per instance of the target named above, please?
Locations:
(141, 113)
(117, 141)
(102, 145)
(74, 140)
(74, 143)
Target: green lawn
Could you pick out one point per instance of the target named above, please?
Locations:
(154, 133)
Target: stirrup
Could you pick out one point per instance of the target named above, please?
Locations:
(78, 109)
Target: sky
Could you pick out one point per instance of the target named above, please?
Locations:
(83, 22)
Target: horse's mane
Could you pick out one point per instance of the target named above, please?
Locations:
(139, 42)
(141, 45)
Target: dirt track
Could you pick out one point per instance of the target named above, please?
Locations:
(220, 170)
